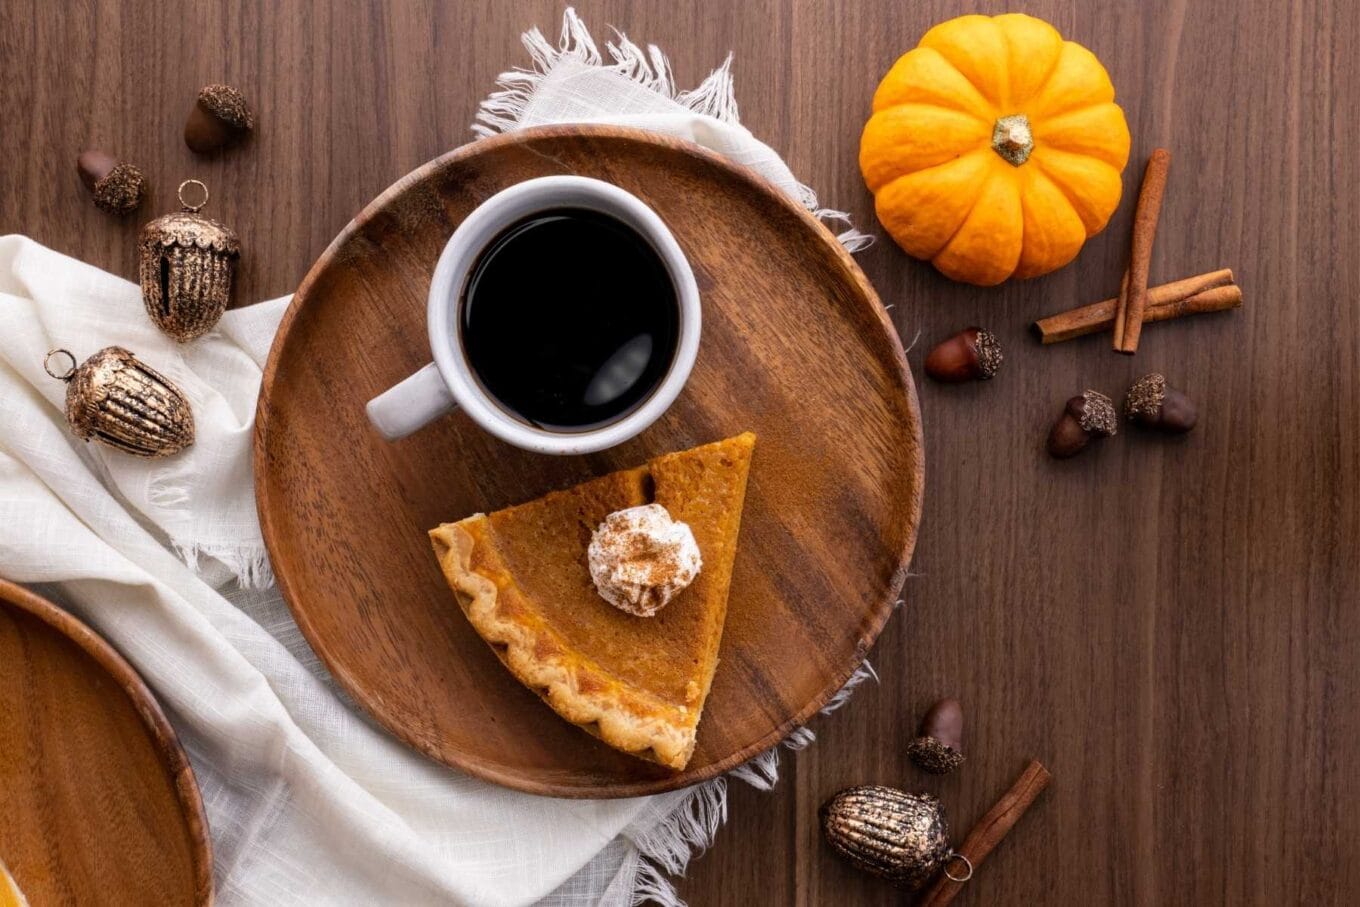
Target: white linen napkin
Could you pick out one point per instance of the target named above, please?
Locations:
(308, 802)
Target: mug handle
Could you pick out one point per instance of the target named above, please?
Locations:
(411, 405)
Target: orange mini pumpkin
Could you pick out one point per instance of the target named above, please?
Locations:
(995, 148)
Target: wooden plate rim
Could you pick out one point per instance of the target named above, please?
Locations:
(867, 295)
(166, 742)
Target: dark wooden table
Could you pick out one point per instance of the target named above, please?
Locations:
(1173, 627)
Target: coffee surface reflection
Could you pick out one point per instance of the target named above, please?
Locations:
(569, 320)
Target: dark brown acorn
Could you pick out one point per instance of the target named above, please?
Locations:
(938, 748)
(117, 188)
(898, 836)
(1152, 403)
(970, 355)
(219, 117)
(1089, 415)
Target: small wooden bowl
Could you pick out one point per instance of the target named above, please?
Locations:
(796, 347)
(98, 804)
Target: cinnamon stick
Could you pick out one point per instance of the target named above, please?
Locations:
(990, 830)
(1215, 300)
(1128, 317)
(1211, 292)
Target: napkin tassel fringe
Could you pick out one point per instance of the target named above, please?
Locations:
(503, 110)
(715, 96)
(690, 828)
(248, 564)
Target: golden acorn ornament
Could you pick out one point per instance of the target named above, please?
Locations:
(188, 262)
(898, 836)
(118, 399)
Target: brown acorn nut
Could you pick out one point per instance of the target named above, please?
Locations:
(219, 117)
(117, 188)
(895, 835)
(1152, 403)
(1089, 415)
(970, 355)
(938, 748)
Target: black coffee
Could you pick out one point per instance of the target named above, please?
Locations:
(570, 320)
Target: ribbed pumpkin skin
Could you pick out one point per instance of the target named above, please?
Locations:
(941, 189)
(898, 836)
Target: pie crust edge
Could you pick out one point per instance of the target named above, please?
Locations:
(577, 689)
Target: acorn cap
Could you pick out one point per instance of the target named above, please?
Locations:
(1145, 396)
(185, 228)
(228, 105)
(121, 191)
(117, 188)
(930, 755)
(1096, 413)
(988, 353)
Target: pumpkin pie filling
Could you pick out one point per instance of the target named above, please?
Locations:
(522, 578)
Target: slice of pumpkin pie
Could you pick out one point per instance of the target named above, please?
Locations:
(523, 578)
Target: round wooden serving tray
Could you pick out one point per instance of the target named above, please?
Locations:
(795, 347)
(98, 803)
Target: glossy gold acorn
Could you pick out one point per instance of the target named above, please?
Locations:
(898, 836)
(118, 399)
(188, 263)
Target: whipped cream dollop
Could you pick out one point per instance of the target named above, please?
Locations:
(640, 559)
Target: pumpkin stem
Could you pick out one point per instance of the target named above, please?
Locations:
(1012, 139)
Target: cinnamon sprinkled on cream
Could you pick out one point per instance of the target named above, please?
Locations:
(640, 559)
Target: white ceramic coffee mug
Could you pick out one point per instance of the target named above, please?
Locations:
(449, 383)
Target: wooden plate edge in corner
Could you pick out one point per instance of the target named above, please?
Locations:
(166, 742)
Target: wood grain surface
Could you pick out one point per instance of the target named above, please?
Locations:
(832, 503)
(98, 803)
(1170, 627)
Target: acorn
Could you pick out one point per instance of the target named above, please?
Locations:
(118, 399)
(898, 836)
(938, 748)
(219, 117)
(972, 354)
(1152, 403)
(187, 267)
(1089, 415)
(117, 188)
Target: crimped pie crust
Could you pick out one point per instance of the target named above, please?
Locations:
(652, 716)
(577, 689)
